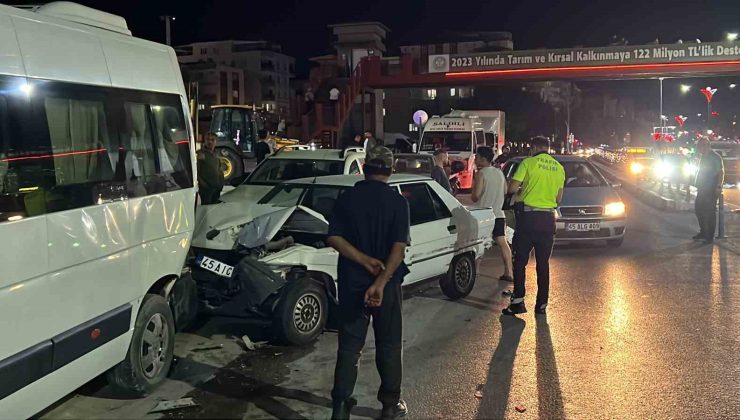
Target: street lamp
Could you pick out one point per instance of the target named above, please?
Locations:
(685, 88)
(731, 36)
(167, 20)
(733, 86)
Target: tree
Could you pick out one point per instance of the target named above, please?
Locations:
(564, 96)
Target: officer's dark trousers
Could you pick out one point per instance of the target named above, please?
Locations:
(706, 212)
(534, 230)
(354, 319)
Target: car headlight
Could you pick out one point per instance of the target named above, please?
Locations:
(636, 168)
(614, 209)
(662, 169)
(690, 169)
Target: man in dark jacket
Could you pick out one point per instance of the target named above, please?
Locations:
(262, 149)
(709, 181)
(369, 227)
(210, 173)
(441, 159)
(503, 157)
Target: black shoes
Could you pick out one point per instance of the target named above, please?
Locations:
(514, 309)
(697, 237)
(394, 411)
(507, 278)
(341, 409)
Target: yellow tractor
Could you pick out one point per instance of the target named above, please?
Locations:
(236, 127)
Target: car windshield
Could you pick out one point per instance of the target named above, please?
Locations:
(419, 165)
(275, 171)
(581, 174)
(453, 141)
(320, 198)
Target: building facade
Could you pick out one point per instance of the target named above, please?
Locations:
(266, 72)
(400, 104)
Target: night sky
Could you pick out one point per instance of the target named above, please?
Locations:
(300, 25)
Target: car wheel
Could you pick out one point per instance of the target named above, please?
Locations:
(302, 312)
(460, 277)
(615, 243)
(150, 353)
(231, 164)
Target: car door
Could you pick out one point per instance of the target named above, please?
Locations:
(432, 233)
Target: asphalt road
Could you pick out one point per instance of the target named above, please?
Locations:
(649, 330)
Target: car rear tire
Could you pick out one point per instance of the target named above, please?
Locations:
(615, 243)
(460, 277)
(151, 351)
(302, 312)
(231, 164)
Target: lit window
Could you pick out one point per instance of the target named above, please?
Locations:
(384, 112)
(431, 93)
(453, 91)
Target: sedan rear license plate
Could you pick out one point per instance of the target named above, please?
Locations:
(215, 266)
(582, 227)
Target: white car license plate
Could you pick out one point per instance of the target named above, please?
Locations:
(582, 227)
(215, 266)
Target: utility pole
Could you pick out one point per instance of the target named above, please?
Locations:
(167, 21)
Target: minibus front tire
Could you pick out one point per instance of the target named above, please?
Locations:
(151, 351)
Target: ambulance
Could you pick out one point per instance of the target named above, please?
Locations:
(460, 133)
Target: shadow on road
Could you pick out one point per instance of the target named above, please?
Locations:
(549, 394)
(498, 384)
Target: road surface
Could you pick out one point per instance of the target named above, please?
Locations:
(649, 330)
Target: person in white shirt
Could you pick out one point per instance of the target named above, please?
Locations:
(489, 190)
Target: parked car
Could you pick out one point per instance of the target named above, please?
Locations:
(280, 267)
(421, 164)
(286, 164)
(591, 209)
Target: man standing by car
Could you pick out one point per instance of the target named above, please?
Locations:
(489, 189)
(369, 227)
(709, 181)
(210, 174)
(503, 157)
(441, 159)
(262, 149)
(541, 179)
(370, 141)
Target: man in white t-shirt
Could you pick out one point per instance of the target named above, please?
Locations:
(489, 189)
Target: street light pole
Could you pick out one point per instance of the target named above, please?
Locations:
(167, 27)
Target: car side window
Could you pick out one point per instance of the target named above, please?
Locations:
(480, 139)
(510, 169)
(422, 206)
(440, 208)
(490, 140)
(354, 168)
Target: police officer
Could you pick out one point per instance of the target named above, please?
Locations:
(709, 181)
(210, 173)
(541, 179)
(369, 227)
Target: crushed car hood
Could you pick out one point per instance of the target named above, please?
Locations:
(264, 227)
(231, 219)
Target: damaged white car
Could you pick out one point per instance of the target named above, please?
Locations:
(275, 262)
